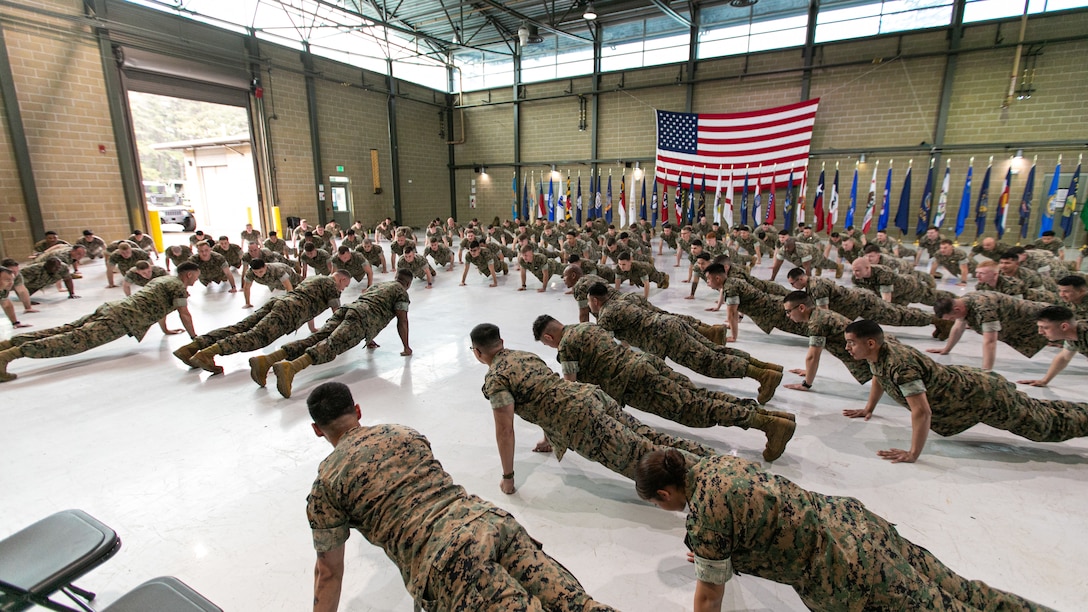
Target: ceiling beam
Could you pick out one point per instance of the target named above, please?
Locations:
(665, 8)
(542, 26)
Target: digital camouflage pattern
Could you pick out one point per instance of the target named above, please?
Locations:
(574, 415)
(1013, 319)
(373, 256)
(36, 277)
(352, 323)
(131, 316)
(212, 270)
(835, 553)
(538, 263)
(318, 259)
(253, 236)
(357, 266)
(764, 309)
(274, 276)
(642, 272)
(993, 254)
(961, 397)
(825, 329)
(954, 260)
(454, 550)
(133, 277)
(439, 253)
(278, 246)
(930, 245)
(233, 254)
(183, 255)
(485, 258)
(863, 304)
(123, 264)
(914, 288)
(643, 381)
(418, 266)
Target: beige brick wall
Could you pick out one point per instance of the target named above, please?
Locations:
(424, 171)
(289, 130)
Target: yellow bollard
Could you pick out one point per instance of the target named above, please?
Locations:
(154, 226)
(249, 215)
(276, 223)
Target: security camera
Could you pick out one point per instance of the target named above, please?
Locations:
(523, 35)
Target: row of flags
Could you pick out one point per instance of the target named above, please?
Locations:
(688, 202)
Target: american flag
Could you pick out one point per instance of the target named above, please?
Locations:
(774, 138)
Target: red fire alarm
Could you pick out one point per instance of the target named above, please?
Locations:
(102, 149)
(258, 92)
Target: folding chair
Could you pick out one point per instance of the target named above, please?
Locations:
(49, 556)
(163, 594)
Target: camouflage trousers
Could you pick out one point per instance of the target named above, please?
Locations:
(871, 567)
(501, 267)
(440, 258)
(609, 436)
(98, 328)
(344, 330)
(996, 402)
(656, 277)
(654, 387)
(867, 305)
(495, 565)
(767, 319)
(269, 322)
(207, 278)
(1027, 341)
(605, 272)
(681, 343)
(926, 295)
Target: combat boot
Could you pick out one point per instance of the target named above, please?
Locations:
(943, 328)
(778, 430)
(665, 283)
(6, 357)
(286, 370)
(763, 364)
(205, 359)
(714, 333)
(259, 366)
(789, 416)
(838, 270)
(768, 382)
(5, 345)
(186, 353)
(818, 271)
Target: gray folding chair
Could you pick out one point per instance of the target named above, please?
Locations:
(163, 594)
(49, 556)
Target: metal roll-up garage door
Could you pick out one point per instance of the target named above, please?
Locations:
(165, 75)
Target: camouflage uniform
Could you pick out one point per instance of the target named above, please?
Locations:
(993, 254)
(374, 255)
(575, 415)
(1044, 263)
(897, 264)
(253, 236)
(931, 246)
(352, 323)
(318, 259)
(133, 277)
(860, 303)
(604, 272)
(1055, 247)
(454, 550)
(825, 329)
(233, 254)
(643, 381)
(1034, 280)
(274, 277)
(550, 240)
(124, 264)
(539, 263)
(280, 316)
(1007, 285)
(398, 249)
(580, 248)
(765, 286)
(266, 256)
(1080, 311)
(952, 262)
(961, 397)
(323, 241)
(357, 266)
(131, 316)
(668, 337)
(849, 255)
(764, 309)
(442, 257)
(813, 239)
(906, 289)
(111, 247)
(670, 240)
(835, 553)
(1080, 345)
(642, 272)
(62, 252)
(483, 259)
(351, 241)
(95, 247)
(35, 276)
(748, 244)
(144, 242)
(278, 247)
(214, 270)
(805, 254)
(1012, 319)
(185, 255)
(418, 267)
(42, 246)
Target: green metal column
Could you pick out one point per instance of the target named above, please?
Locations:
(692, 64)
(394, 144)
(315, 130)
(19, 143)
(809, 50)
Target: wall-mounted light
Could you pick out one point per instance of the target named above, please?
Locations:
(483, 170)
(1019, 154)
(476, 169)
(861, 158)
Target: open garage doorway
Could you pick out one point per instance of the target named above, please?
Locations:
(196, 162)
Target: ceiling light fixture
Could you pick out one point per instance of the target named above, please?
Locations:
(589, 14)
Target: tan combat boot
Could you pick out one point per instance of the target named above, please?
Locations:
(768, 382)
(765, 365)
(5, 345)
(186, 353)
(778, 430)
(259, 366)
(714, 333)
(6, 357)
(789, 416)
(286, 370)
(943, 328)
(205, 359)
(838, 271)
(665, 283)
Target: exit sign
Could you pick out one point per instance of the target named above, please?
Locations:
(339, 168)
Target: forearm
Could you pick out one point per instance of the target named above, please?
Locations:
(504, 439)
(70, 286)
(402, 331)
(187, 322)
(812, 363)
(247, 288)
(708, 597)
(734, 320)
(876, 391)
(1060, 361)
(989, 350)
(327, 585)
(920, 417)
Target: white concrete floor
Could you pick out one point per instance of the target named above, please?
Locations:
(205, 478)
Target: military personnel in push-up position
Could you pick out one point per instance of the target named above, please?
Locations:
(589, 354)
(951, 399)
(132, 316)
(485, 261)
(997, 317)
(543, 268)
(454, 550)
(349, 325)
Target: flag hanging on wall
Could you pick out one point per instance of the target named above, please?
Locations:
(1052, 204)
(524, 198)
(942, 201)
(561, 205)
(578, 202)
(608, 200)
(1069, 211)
(833, 202)
(691, 197)
(718, 202)
(678, 200)
(787, 204)
(727, 207)
(780, 135)
(622, 208)
(542, 207)
(757, 209)
(849, 222)
(925, 208)
(514, 188)
(902, 214)
(965, 200)
(598, 202)
(982, 205)
(642, 204)
(801, 197)
(870, 202)
(1002, 205)
(551, 199)
(818, 202)
(700, 212)
(590, 211)
(771, 214)
(886, 201)
(570, 205)
(653, 206)
(744, 199)
(664, 204)
(1025, 200)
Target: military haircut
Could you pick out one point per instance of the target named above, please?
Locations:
(624, 256)
(540, 324)
(704, 256)
(270, 234)
(404, 275)
(1048, 233)
(1055, 314)
(799, 298)
(624, 236)
(309, 247)
(187, 266)
(1073, 280)
(697, 242)
(870, 248)
(88, 232)
(343, 249)
(6, 270)
(342, 272)
(598, 290)
(50, 233)
(256, 264)
(527, 248)
(943, 306)
(330, 401)
(947, 241)
(783, 232)
(572, 232)
(9, 263)
(485, 336)
(710, 235)
(143, 264)
(1010, 256)
(475, 244)
(574, 258)
(715, 268)
(722, 259)
(658, 470)
(53, 264)
(866, 330)
(795, 273)
(834, 234)
(1015, 251)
